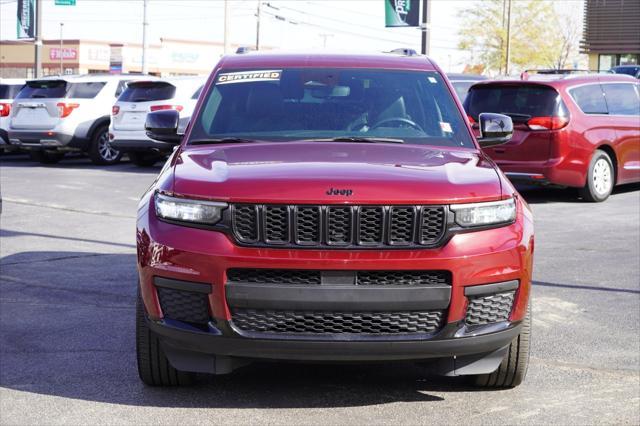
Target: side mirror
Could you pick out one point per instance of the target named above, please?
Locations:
(495, 129)
(163, 126)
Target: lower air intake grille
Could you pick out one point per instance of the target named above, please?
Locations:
(318, 323)
(489, 309)
(184, 306)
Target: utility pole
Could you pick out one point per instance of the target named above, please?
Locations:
(227, 44)
(258, 26)
(61, 51)
(324, 38)
(506, 64)
(145, 40)
(426, 20)
(37, 72)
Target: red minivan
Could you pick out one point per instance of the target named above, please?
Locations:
(332, 208)
(577, 131)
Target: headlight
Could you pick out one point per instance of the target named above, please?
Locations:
(171, 208)
(482, 214)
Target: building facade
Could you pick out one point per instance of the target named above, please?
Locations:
(168, 58)
(611, 33)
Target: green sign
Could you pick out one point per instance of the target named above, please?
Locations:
(65, 2)
(402, 13)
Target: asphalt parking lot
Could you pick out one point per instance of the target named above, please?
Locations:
(67, 293)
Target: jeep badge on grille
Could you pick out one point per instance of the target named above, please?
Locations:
(333, 191)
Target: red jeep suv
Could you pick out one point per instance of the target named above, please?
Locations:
(332, 208)
(579, 131)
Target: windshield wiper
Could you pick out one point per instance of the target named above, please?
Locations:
(219, 140)
(357, 139)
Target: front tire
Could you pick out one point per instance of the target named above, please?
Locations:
(100, 151)
(513, 368)
(600, 178)
(154, 368)
(46, 157)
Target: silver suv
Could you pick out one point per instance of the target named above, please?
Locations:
(129, 113)
(9, 88)
(55, 115)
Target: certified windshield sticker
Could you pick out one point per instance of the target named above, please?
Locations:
(243, 76)
(446, 127)
(432, 80)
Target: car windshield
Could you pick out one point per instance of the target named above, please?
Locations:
(413, 107)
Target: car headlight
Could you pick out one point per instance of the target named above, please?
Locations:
(484, 214)
(185, 210)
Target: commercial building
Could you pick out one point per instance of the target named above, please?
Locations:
(169, 57)
(611, 33)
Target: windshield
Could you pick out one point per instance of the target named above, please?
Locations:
(415, 107)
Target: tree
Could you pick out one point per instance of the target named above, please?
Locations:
(537, 36)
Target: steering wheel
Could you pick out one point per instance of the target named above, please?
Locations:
(403, 120)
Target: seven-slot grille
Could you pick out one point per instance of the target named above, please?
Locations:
(338, 226)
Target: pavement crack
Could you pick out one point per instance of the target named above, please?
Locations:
(64, 208)
(55, 259)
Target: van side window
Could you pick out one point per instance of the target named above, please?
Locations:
(622, 98)
(590, 99)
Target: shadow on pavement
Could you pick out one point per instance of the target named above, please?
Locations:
(68, 330)
(540, 195)
(586, 287)
(80, 162)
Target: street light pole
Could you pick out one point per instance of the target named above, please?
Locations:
(61, 52)
(37, 72)
(145, 40)
(258, 26)
(226, 27)
(426, 20)
(508, 52)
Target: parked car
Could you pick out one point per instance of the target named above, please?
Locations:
(332, 208)
(632, 70)
(128, 115)
(462, 83)
(577, 131)
(9, 88)
(55, 115)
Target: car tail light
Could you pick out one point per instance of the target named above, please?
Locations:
(547, 123)
(65, 108)
(161, 107)
(115, 110)
(5, 109)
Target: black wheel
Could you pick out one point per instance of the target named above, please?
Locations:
(46, 157)
(144, 159)
(600, 179)
(100, 151)
(513, 367)
(153, 367)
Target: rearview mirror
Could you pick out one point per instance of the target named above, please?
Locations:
(163, 126)
(495, 129)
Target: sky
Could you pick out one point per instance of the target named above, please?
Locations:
(351, 25)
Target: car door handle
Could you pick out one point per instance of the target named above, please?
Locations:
(499, 150)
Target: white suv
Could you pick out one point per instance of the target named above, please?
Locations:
(129, 113)
(54, 115)
(9, 88)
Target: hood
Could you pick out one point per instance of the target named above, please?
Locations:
(334, 173)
